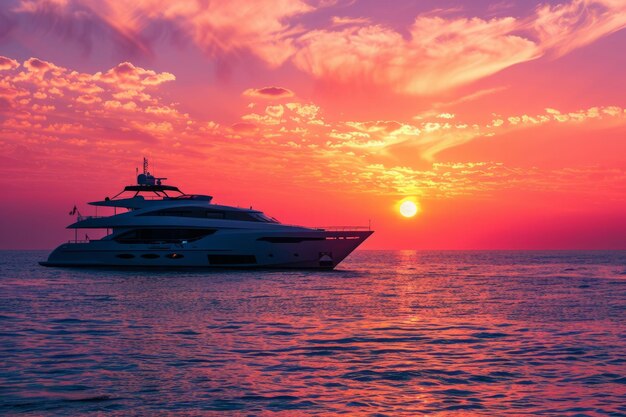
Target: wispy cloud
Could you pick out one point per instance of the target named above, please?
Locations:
(564, 27)
(444, 53)
(216, 27)
(342, 20)
(439, 53)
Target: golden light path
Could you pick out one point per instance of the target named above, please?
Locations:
(408, 208)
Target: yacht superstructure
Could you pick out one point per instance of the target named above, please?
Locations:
(163, 227)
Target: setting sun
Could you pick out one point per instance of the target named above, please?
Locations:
(408, 208)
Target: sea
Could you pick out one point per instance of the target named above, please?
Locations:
(388, 333)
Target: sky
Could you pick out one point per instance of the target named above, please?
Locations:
(505, 121)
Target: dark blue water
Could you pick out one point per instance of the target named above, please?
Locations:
(388, 334)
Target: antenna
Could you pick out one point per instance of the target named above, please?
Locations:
(145, 165)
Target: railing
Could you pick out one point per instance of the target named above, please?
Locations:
(80, 218)
(342, 228)
(78, 241)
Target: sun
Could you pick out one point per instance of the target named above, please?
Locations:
(408, 208)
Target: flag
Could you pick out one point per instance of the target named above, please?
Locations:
(73, 212)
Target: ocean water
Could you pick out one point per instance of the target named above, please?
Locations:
(390, 333)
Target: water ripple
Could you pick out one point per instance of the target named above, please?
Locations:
(389, 334)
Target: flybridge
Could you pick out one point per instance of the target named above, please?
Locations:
(153, 188)
(147, 190)
(147, 182)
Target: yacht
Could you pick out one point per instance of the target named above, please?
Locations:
(158, 225)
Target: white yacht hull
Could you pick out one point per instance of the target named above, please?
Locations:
(235, 249)
(166, 228)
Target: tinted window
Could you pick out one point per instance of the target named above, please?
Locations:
(163, 235)
(263, 218)
(203, 213)
(289, 239)
(197, 212)
(241, 216)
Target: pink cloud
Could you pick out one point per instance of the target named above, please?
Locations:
(244, 128)
(440, 53)
(567, 26)
(126, 75)
(255, 26)
(8, 63)
(306, 111)
(34, 64)
(368, 154)
(9, 91)
(76, 20)
(339, 20)
(443, 53)
(275, 111)
(268, 92)
(88, 99)
(43, 100)
(259, 27)
(384, 126)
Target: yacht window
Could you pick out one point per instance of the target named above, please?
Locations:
(263, 218)
(288, 239)
(214, 214)
(179, 212)
(242, 216)
(153, 236)
(203, 213)
(150, 255)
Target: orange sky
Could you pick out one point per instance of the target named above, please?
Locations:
(505, 120)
